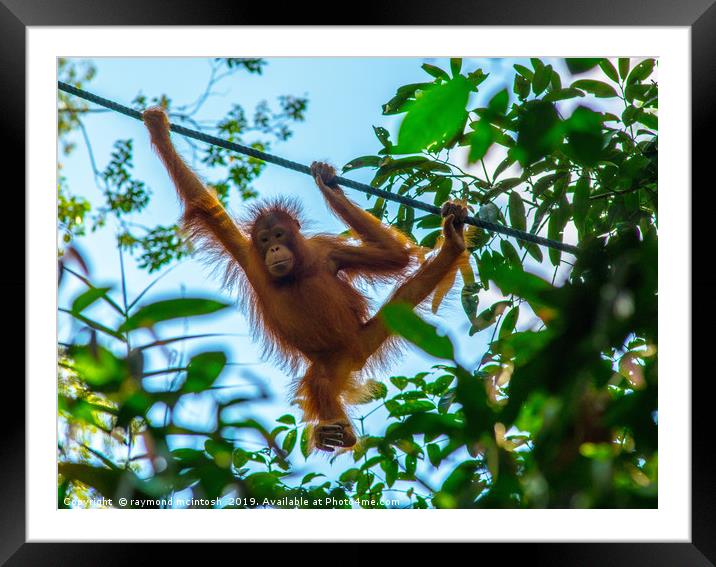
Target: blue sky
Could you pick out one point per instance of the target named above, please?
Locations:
(345, 97)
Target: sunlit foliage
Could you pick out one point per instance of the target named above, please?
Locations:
(561, 411)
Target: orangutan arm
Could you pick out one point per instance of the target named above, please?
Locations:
(204, 215)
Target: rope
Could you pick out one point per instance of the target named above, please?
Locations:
(494, 227)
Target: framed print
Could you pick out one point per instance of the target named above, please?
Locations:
(307, 279)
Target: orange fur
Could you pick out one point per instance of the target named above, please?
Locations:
(314, 319)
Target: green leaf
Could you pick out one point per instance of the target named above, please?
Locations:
(642, 71)
(509, 252)
(188, 456)
(446, 400)
(634, 167)
(364, 161)
(434, 118)
(629, 115)
(305, 443)
(240, 457)
(309, 477)
(556, 81)
(289, 442)
(441, 385)
(412, 406)
(202, 370)
(84, 300)
(543, 76)
(434, 454)
(95, 325)
(509, 321)
(581, 202)
(640, 91)
(461, 480)
(287, 418)
(410, 163)
(411, 464)
(584, 136)
(502, 166)
(538, 132)
(524, 71)
(472, 396)
(529, 287)
(400, 318)
(220, 451)
(577, 65)
(481, 139)
(506, 185)
(518, 217)
(390, 467)
(396, 104)
(364, 482)
(609, 70)
(405, 220)
(544, 183)
(555, 226)
(262, 485)
(430, 240)
(534, 250)
(562, 94)
(455, 65)
(597, 88)
(412, 88)
(476, 78)
(98, 367)
(429, 221)
(521, 87)
(83, 411)
(498, 103)
(383, 136)
(496, 118)
(443, 186)
(149, 315)
(503, 139)
(135, 404)
(648, 119)
(470, 299)
(436, 72)
(488, 317)
(536, 63)
(539, 167)
(378, 208)
(349, 476)
(609, 117)
(624, 63)
(429, 424)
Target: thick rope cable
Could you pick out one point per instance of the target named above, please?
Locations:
(233, 146)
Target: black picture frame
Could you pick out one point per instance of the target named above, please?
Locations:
(698, 15)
